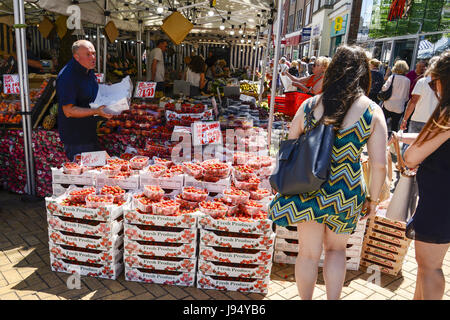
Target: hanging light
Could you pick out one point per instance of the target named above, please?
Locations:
(222, 26)
(232, 30)
(240, 30)
(242, 40)
(210, 13)
(160, 8)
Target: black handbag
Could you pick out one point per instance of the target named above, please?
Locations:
(303, 164)
(385, 95)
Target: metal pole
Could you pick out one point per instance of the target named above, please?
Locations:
(98, 49)
(19, 25)
(105, 44)
(275, 70)
(139, 51)
(264, 64)
(147, 55)
(255, 54)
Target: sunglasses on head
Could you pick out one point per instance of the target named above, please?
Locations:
(432, 84)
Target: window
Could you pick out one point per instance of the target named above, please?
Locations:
(316, 5)
(290, 26)
(308, 14)
(299, 19)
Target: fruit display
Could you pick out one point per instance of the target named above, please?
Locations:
(166, 207)
(79, 194)
(153, 192)
(194, 194)
(213, 208)
(235, 196)
(71, 168)
(117, 192)
(139, 162)
(97, 201)
(49, 121)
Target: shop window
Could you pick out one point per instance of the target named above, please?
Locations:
(299, 19)
(308, 14)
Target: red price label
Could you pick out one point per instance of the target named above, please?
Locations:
(145, 90)
(11, 84)
(100, 77)
(206, 133)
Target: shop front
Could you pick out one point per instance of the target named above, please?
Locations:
(337, 32)
(409, 31)
(305, 42)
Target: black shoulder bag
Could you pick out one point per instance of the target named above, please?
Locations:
(385, 95)
(303, 164)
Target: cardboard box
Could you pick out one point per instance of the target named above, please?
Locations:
(86, 227)
(393, 223)
(377, 227)
(104, 243)
(394, 265)
(129, 183)
(168, 264)
(91, 270)
(263, 242)
(112, 256)
(396, 249)
(374, 234)
(188, 220)
(160, 249)
(258, 226)
(176, 182)
(176, 27)
(107, 213)
(87, 178)
(284, 257)
(233, 255)
(381, 268)
(395, 257)
(133, 232)
(283, 244)
(234, 270)
(221, 283)
(289, 232)
(149, 276)
(213, 187)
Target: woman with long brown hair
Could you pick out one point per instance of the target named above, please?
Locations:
(326, 217)
(430, 152)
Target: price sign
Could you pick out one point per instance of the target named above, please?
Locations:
(11, 84)
(204, 133)
(100, 77)
(94, 159)
(145, 90)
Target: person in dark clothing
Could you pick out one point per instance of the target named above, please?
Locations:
(377, 80)
(76, 88)
(293, 70)
(211, 66)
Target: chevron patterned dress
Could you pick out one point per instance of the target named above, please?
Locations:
(339, 201)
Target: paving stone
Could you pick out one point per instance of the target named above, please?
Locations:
(122, 295)
(30, 297)
(9, 296)
(235, 295)
(289, 292)
(145, 296)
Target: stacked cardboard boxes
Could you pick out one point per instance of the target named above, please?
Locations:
(160, 249)
(235, 255)
(86, 241)
(385, 245)
(286, 246)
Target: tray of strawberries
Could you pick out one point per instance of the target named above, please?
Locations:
(259, 194)
(139, 162)
(193, 169)
(214, 209)
(117, 192)
(98, 201)
(243, 172)
(156, 170)
(194, 194)
(253, 207)
(79, 194)
(153, 192)
(71, 168)
(236, 196)
(186, 204)
(164, 162)
(248, 185)
(142, 203)
(124, 164)
(166, 207)
(111, 170)
(215, 168)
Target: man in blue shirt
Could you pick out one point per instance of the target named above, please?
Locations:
(76, 87)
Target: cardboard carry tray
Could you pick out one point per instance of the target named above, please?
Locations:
(175, 183)
(128, 183)
(112, 256)
(212, 268)
(380, 235)
(86, 227)
(236, 240)
(160, 263)
(395, 257)
(83, 269)
(86, 179)
(290, 257)
(400, 249)
(152, 276)
(401, 225)
(104, 243)
(258, 226)
(213, 187)
(232, 284)
(164, 234)
(160, 249)
(234, 255)
(107, 213)
(188, 220)
(377, 226)
(376, 266)
(382, 261)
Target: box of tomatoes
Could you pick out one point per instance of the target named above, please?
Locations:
(236, 224)
(160, 249)
(160, 234)
(233, 283)
(178, 278)
(239, 270)
(160, 263)
(237, 240)
(235, 255)
(134, 216)
(87, 269)
(108, 257)
(103, 243)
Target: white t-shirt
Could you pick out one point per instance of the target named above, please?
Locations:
(427, 102)
(193, 78)
(157, 54)
(400, 93)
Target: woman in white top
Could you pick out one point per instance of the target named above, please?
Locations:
(393, 107)
(195, 73)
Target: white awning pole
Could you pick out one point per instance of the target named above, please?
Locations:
(21, 49)
(105, 44)
(275, 70)
(264, 64)
(255, 54)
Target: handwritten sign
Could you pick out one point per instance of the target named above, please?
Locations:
(145, 89)
(204, 133)
(11, 84)
(100, 77)
(94, 159)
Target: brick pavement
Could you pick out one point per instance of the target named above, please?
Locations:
(25, 272)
